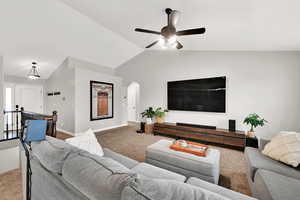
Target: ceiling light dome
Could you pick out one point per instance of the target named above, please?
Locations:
(33, 73)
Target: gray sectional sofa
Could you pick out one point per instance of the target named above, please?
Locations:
(270, 179)
(63, 172)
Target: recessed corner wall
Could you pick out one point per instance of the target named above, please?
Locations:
(2, 96)
(267, 83)
(82, 100)
(62, 80)
(72, 79)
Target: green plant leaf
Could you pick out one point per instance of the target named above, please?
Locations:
(254, 120)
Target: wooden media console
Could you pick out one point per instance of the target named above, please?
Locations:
(217, 136)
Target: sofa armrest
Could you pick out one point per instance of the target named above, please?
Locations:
(127, 162)
(262, 143)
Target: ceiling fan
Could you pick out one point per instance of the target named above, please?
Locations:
(169, 33)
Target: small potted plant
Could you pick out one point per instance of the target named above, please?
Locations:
(159, 114)
(254, 120)
(149, 113)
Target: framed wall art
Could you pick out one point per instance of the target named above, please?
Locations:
(101, 100)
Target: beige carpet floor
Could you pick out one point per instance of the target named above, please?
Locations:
(127, 142)
(11, 185)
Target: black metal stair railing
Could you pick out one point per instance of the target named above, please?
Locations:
(12, 124)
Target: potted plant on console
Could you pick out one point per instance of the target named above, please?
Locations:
(149, 113)
(159, 114)
(254, 120)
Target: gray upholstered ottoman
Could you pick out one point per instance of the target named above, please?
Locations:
(206, 168)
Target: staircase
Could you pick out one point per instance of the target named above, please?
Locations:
(12, 124)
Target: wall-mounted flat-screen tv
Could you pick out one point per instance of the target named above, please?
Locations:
(207, 95)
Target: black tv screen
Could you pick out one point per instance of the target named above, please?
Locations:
(207, 95)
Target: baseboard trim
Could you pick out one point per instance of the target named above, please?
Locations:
(95, 130)
(134, 121)
(108, 128)
(66, 132)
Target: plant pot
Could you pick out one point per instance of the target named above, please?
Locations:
(149, 121)
(251, 134)
(160, 120)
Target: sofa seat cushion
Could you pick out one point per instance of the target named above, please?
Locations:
(256, 160)
(272, 186)
(151, 171)
(97, 177)
(218, 189)
(161, 189)
(127, 162)
(52, 153)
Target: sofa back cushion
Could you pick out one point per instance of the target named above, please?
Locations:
(97, 177)
(158, 189)
(52, 153)
(51, 186)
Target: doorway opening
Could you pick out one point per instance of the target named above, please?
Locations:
(30, 97)
(133, 102)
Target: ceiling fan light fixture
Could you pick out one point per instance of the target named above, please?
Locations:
(33, 73)
(174, 46)
(167, 42)
(172, 40)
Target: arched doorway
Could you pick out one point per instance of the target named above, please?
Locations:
(133, 100)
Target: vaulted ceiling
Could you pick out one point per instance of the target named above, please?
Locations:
(48, 31)
(99, 31)
(231, 24)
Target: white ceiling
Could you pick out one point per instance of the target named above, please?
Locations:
(47, 31)
(102, 32)
(231, 24)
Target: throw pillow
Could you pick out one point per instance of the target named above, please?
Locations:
(88, 142)
(35, 130)
(284, 147)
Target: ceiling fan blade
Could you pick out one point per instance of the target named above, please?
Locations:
(146, 31)
(179, 45)
(174, 17)
(191, 31)
(152, 44)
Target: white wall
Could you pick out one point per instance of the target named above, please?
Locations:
(85, 65)
(1, 95)
(9, 153)
(133, 98)
(72, 79)
(17, 84)
(23, 80)
(263, 82)
(25, 93)
(84, 73)
(62, 80)
(9, 159)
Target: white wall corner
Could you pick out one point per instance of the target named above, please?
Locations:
(109, 128)
(66, 132)
(1, 96)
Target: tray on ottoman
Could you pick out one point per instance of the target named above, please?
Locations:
(191, 147)
(206, 168)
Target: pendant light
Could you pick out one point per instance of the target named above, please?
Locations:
(33, 74)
